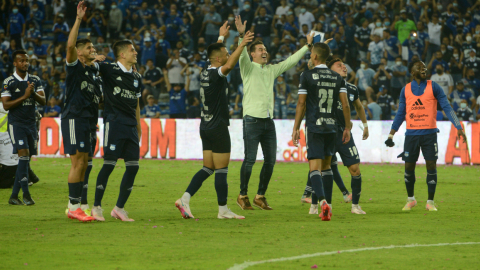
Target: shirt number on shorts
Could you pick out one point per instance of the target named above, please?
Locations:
(202, 97)
(353, 151)
(325, 97)
(436, 149)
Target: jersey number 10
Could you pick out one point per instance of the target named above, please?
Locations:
(325, 97)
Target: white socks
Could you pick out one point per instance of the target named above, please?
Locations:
(430, 201)
(186, 197)
(73, 207)
(411, 198)
(222, 209)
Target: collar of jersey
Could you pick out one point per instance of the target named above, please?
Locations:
(124, 69)
(321, 66)
(19, 78)
(262, 66)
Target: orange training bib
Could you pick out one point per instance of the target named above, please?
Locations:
(421, 110)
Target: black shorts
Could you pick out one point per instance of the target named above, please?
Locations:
(414, 143)
(121, 141)
(93, 142)
(23, 137)
(320, 145)
(76, 135)
(348, 152)
(216, 139)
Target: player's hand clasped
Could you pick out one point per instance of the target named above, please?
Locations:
(29, 90)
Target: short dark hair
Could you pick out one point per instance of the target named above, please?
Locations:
(119, 46)
(252, 46)
(149, 59)
(214, 48)
(412, 64)
(17, 52)
(322, 50)
(333, 61)
(82, 42)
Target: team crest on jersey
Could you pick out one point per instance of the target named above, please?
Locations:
(20, 142)
(84, 85)
(406, 154)
(135, 83)
(315, 76)
(116, 90)
(352, 97)
(82, 144)
(112, 147)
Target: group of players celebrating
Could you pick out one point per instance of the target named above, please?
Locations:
(324, 98)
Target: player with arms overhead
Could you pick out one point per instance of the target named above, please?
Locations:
(348, 152)
(214, 126)
(19, 94)
(418, 107)
(122, 131)
(77, 113)
(319, 91)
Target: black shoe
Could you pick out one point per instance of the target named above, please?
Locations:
(33, 178)
(15, 201)
(27, 199)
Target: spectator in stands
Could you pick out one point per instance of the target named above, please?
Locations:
(398, 81)
(434, 33)
(364, 79)
(184, 52)
(98, 24)
(438, 61)
(283, 8)
(374, 108)
(472, 83)
(194, 110)
(39, 49)
(197, 60)
(174, 66)
(337, 45)
(375, 52)
(143, 16)
(148, 51)
(459, 94)
(282, 98)
(152, 79)
(115, 21)
(193, 71)
(404, 26)
(455, 65)
(163, 46)
(443, 79)
(362, 37)
(16, 25)
(349, 32)
(151, 110)
(36, 16)
(414, 45)
(464, 113)
(306, 17)
(472, 62)
(178, 97)
(60, 29)
(386, 102)
(378, 29)
(393, 48)
(382, 76)
(173, 23)
(262, 24)
(57, 95)
(202, 49)
(247, 14)
(211, 23)
(368, 113)
(52, 109)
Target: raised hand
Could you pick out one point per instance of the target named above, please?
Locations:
(224, 29)
(310, 38)
(99, 58)
(81, 9)
(247, 38)
(328, 40)
(240, 27)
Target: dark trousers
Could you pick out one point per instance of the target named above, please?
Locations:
(255, 131)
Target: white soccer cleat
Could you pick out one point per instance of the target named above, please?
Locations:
(356, 209)
(228, 215)
(313, 209)
(431, 206)
(184, 209)
(97, 213)
(410, 204)
(120, 213)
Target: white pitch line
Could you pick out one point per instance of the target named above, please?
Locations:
(248, 264)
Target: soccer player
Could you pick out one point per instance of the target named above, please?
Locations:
(19, 94)
(348, 152)
(258, 103)
(418, 107)
(214, 126)
(122, 130)
(77, 113)
(319, 91)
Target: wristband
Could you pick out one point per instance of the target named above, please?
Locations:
(241, 35)
(390, 136)
(365, 125)
(222, 38)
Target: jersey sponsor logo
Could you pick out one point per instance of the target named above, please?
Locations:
(328, 121)
(86, 73)
(82, 144)
(315, 76)
(352, 97)
(18, 90)
(119, 78)
(407, 154)
(135, 83)
(20, 142)
(117, 90)
(418, 105)
(84, 85)
(112, 147)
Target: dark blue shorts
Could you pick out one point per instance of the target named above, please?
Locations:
(93, 142)
(348, 152)
(320, 145)
(121, 141)
(216, 139)
(414, 143)
(76, 135)
(23, 137)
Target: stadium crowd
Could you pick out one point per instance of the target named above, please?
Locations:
(375, 38)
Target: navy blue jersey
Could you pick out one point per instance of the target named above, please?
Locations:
(14, 87)
(322, 87)
(352, 95)
(121, 91)
(80, 91)
(214, 96)
(98, 93)
(386, 102)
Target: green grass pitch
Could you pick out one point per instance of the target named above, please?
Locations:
(41, 237)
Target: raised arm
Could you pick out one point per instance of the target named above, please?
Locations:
(72, 37)
(293, 59)
(245, 63)
(233, 59)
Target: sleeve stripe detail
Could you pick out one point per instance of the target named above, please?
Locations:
(343, 91)
(6, 95)
(72, 64)
(220, 72)
(455, 119)
(40, 90)
(302, 91)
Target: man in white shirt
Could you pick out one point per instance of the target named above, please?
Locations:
(434, 31)
(174, 66)
(282, 9)
(306, 17)
(443, 79)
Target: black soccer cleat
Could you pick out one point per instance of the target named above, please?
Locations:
(15, 201)
(27, 199)
(33, 178)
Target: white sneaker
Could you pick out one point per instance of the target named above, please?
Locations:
(356, 209)
(184, 209)
(229, 215)
(120, 213)
(313, 209)
(97, 213)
